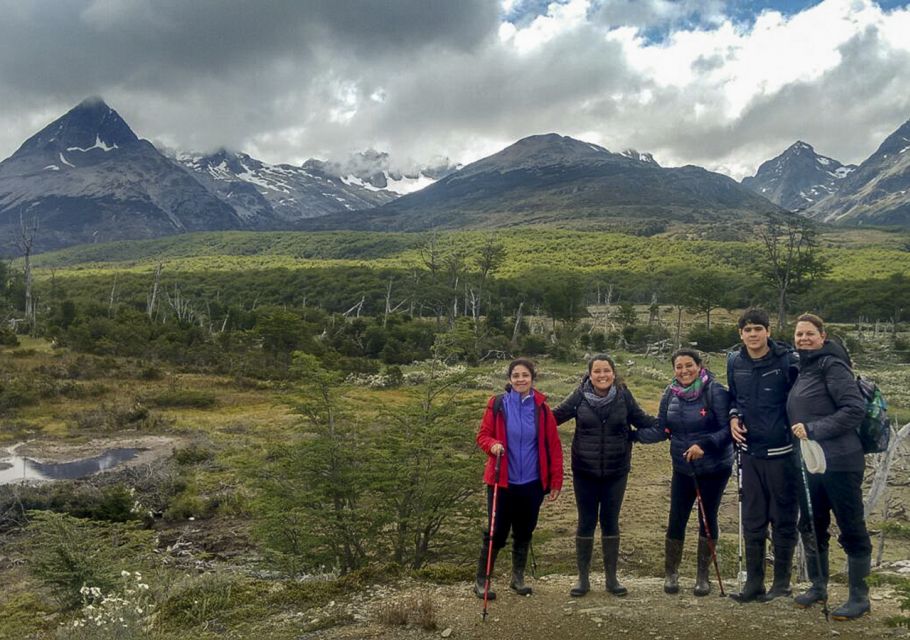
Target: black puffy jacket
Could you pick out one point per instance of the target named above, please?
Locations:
(602, 445)
(826, 399)
(758, 394)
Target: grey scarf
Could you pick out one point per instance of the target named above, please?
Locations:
(596, 401)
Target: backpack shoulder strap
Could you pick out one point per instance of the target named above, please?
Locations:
(497, 403)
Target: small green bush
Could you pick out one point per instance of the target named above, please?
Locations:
(197, 601)
(67, 553)
(193, 453)
(8, 338)
(719, 338)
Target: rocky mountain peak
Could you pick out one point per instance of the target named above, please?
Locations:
(90, 126)
(897, 143)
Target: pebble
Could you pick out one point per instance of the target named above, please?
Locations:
(447, 632)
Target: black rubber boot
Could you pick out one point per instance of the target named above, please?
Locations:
(702, 567)
(754, 588)
(610, 546)
(783, 563)
(857, 605)
(673, 550)
(519, 561)
(481, 576)
(818, 592)
(584, 550)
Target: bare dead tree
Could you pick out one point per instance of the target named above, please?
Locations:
(113, 298)
(882, 469)
(357, 307)
(152, 298)
(26, 241)
(183, 309)
(517, 323)
(492, 255)
(389, 309)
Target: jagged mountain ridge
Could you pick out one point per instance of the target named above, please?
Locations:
(87, 177)
(551, 178)
(798, 178)
(276, 196)
(877, 192)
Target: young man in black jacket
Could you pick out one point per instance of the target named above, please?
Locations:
(759, 376)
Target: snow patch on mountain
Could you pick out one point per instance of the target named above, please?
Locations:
(99, 144)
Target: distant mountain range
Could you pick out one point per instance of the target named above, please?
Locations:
(87, 177)
(875, 192)
(555, 179)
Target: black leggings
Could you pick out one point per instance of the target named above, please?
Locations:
(599, 496)
(682, 497)
(517, 509)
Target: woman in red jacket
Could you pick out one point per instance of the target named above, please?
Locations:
(520, 426)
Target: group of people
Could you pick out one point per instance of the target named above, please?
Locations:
(775, 397)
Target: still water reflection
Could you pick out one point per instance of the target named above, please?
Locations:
(15, 468)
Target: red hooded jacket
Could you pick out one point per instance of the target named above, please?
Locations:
(549, 448)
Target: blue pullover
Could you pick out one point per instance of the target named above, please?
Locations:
(521, 431)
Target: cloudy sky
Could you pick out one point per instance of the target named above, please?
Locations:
(725, 84)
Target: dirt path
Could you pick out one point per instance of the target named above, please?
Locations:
(645, 614)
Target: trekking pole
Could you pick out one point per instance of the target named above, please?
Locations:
(704, 522)
(740, 574)
(811, 513)
(486, 582)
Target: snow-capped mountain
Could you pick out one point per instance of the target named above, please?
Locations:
(640, 156)
(278, 195)
(878, 192)
(799, 177)
(375, 170)
(87, 177)
(554, 179)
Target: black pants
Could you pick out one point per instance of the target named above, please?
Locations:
(771, 488)
(840, 492)
(599, 497)
(682, 497)
(517, 508)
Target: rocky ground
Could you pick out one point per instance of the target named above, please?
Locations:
(550, 614)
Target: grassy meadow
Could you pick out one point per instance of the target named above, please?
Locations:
(208, 515)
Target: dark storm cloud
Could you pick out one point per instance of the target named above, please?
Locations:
(246, 65)
(285, 81)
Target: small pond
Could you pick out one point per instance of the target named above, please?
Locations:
(16, 468)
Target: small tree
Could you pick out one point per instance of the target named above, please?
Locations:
(318, 494)
(789, 258)
(702, 293)
(426, 464)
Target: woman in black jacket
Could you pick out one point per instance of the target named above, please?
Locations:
(826, 406)
(693, 415)
(603, 409)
